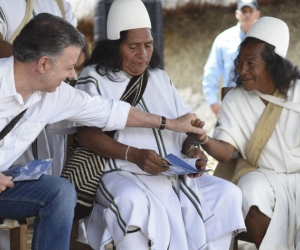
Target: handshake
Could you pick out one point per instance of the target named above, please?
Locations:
(190, 124)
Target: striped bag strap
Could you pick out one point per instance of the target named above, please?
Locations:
(11, 125)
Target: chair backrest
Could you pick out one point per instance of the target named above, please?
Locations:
(224, 91)
(224, 171)
(18, 233)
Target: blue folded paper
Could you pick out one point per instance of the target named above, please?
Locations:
(29, 170)
(178, 166)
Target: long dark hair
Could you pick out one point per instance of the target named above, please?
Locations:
(283, 72)
(107, 58)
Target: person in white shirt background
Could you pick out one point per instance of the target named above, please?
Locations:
(224, 50)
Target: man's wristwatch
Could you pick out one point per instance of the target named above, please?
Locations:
(194, 145)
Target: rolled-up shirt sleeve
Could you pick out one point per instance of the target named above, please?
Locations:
(82, 110)
(118, 117)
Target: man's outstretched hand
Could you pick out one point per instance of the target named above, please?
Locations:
(186, 124)
(199, 137)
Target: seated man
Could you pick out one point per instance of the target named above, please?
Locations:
(259, 119)
(136, 203)
(11, 23)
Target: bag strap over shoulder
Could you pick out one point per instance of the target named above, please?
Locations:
(11, 125)
(258, 140)
(61, 8)
(135, 89)
(133, 92)
(262, 133)
(27, 17)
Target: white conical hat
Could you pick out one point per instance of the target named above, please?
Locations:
(273, 31)
(126, 15)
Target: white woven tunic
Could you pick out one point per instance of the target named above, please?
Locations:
(279, 162)
(181, 214)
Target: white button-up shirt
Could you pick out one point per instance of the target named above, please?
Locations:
(43, 108)
(220, 62)
(47, 145)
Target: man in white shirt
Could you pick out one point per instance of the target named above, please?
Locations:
(11, 22)
(44, 55)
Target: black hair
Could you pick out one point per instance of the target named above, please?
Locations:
(107, 57)
(283, 72)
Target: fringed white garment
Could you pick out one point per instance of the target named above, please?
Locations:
(171, 213)
(279, 162)
(188, 222)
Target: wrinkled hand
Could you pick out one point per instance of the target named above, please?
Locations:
(5, 182)
(200, 137)
(184, 124)
(149, 161)
(200, 164)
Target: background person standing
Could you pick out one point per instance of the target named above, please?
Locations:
(224, 50)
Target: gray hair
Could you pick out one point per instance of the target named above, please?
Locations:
(45, 35)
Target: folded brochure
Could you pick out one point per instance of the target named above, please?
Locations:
(178, 166)
(29, 170)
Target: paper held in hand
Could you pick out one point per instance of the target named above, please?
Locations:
(31, 170)
(178, 166)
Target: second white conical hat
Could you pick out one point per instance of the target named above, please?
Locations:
(273, 31)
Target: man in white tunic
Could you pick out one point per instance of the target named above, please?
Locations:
(32, 94)
(137, 204)
(259, 119)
